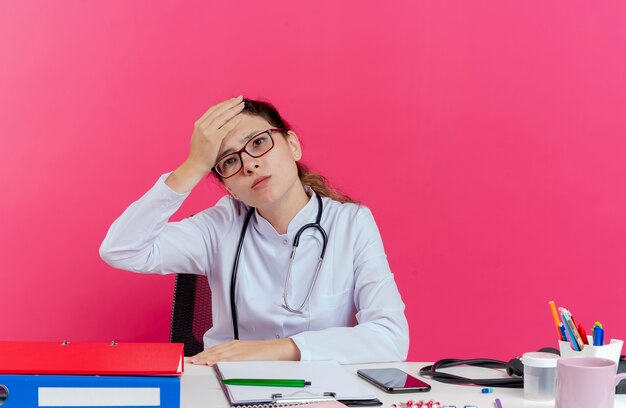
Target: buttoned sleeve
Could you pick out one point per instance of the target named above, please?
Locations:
(381, 333)
(142, 239)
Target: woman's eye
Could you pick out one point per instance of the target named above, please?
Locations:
(228, 162)
(259, 140)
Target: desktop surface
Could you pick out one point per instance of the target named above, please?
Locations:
(200, 389)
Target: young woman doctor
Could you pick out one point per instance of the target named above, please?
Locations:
(346, 308)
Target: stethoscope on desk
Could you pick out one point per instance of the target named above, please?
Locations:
(296, 242)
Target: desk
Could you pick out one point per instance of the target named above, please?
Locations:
(200, 389)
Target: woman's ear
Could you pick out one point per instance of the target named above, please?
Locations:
(294, 145)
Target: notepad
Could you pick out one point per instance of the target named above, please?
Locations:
(329, 381)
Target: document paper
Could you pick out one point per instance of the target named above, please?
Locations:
(325, 377)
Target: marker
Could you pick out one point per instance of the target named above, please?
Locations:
(266, 382)
(599, 338)
(598, 334)
(555, 317)
(498, 403)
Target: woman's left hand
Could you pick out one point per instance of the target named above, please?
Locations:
(239, 350)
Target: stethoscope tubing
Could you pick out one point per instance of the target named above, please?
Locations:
(233, 279)
(296, 242)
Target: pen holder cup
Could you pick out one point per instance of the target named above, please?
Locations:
(610, 351)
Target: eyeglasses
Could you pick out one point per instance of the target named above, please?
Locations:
(261, 143)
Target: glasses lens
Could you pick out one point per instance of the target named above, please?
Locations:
(260, 144)
(228, 165)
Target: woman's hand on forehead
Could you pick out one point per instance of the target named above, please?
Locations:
(208, 133)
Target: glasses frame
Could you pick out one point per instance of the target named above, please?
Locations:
(243, 150)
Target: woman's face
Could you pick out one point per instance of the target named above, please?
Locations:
(263, 181)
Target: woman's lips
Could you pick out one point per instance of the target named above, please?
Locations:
(260, 182)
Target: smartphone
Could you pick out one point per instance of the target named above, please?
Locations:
(393, 380)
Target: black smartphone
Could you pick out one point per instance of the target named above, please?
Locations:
(393, 380)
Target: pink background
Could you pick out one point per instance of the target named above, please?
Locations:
(488, 138)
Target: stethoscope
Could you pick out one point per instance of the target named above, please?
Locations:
(296, 241)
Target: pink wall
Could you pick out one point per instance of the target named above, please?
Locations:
(487, 138)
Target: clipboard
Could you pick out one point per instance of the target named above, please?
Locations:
(329, 382)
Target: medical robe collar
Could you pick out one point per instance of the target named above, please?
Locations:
(306, 215)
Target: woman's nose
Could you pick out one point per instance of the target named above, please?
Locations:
(250, 164)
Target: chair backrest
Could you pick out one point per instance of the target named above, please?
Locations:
(191, 312)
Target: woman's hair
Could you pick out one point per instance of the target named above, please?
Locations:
(317, 182)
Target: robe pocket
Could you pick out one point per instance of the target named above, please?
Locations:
(331, 310)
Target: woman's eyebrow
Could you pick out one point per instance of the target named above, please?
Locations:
(243, 141)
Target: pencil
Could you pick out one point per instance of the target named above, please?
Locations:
(555, 316)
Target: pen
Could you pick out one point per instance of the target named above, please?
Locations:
(266, 382)
(498, 403)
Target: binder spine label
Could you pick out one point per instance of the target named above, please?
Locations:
(98, 397)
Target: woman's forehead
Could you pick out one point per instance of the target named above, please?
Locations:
(249, 125)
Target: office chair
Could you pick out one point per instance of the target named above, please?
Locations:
(191, 312)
